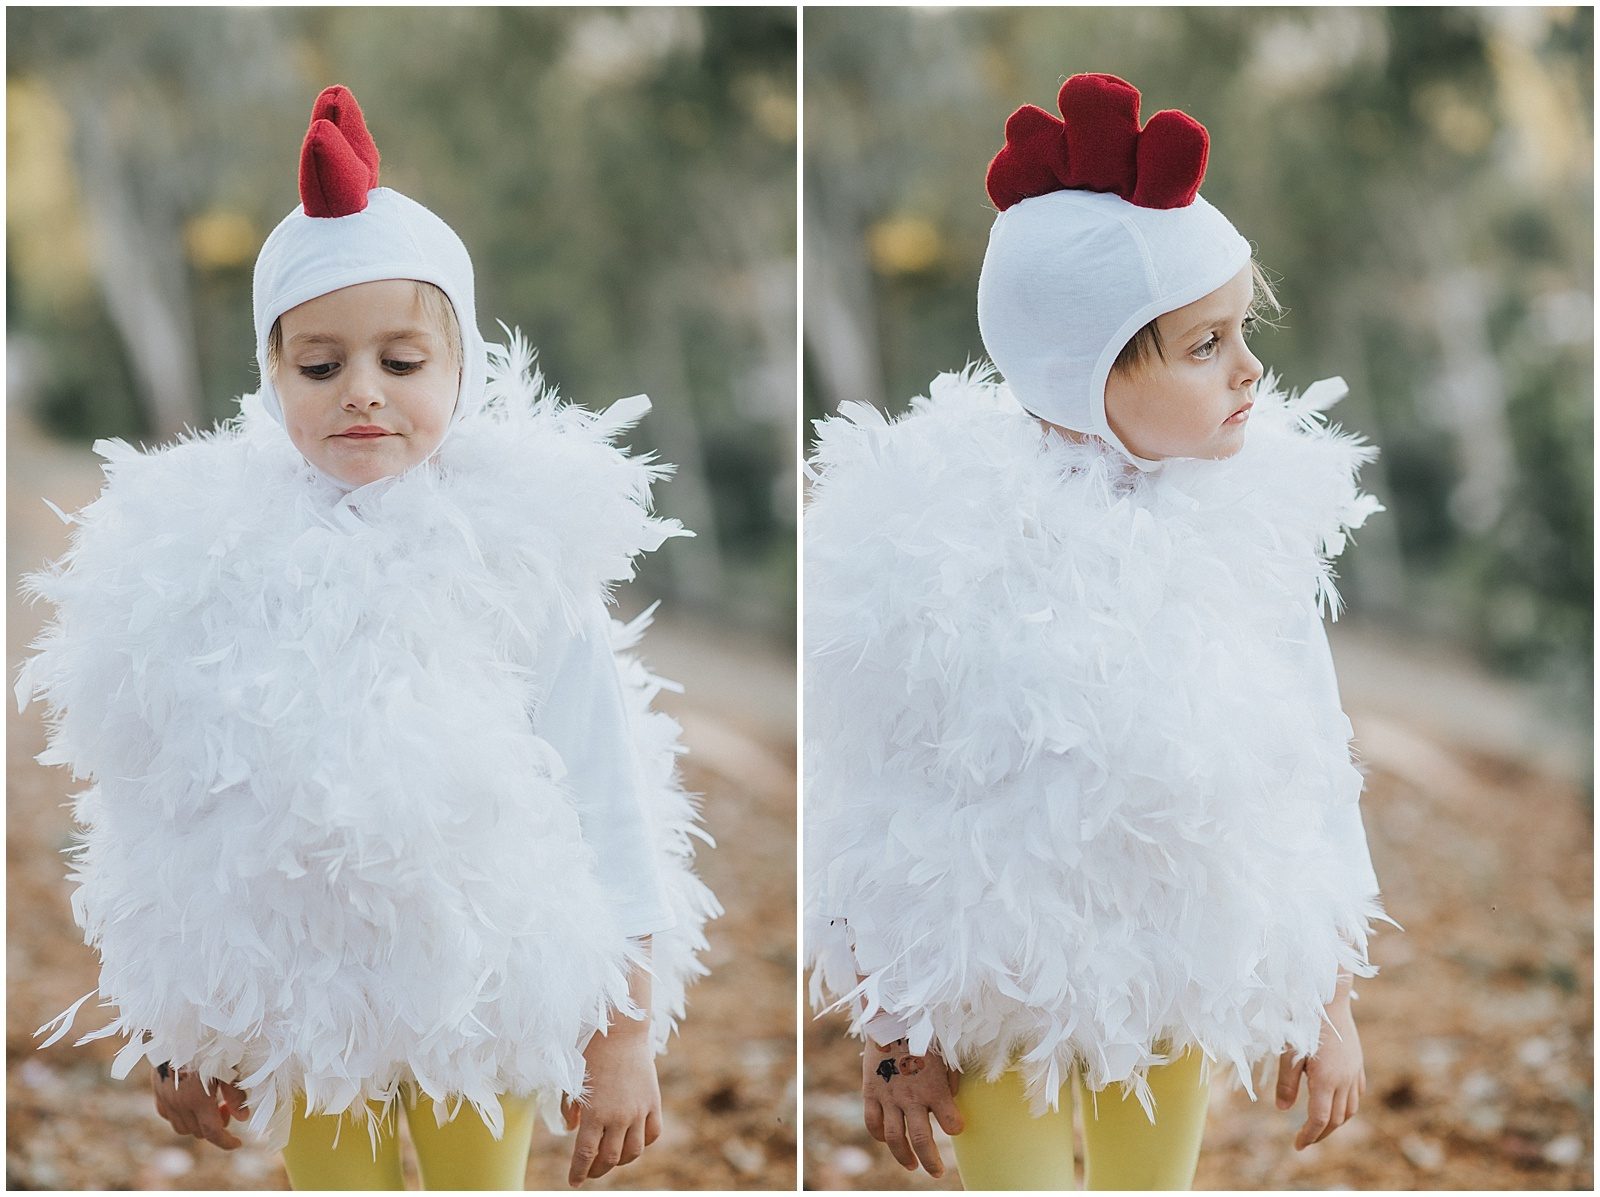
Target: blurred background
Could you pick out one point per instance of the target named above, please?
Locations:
(625, 181)
(1421, 180)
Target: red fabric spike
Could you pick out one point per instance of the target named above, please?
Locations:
(1100, 146)
(1032, 160)
(339, 160)
(1102, 130)
(336, 104)
(1172, 160)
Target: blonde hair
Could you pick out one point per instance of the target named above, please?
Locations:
(1148, 339)
(437, 311)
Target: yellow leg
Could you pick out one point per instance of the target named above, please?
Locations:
(314, 1162)
(1003, 1147)
(462, 1154)
(1122, 1149)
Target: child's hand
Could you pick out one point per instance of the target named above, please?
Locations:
(623, 1114)
(192, 1111)
(1336, 1078)
(899, 1091)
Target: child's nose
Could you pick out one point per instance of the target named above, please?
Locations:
(1250, 369)
(363, 386)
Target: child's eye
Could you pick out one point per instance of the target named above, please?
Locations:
(400, 367)
(319, 370)
(1208, 347)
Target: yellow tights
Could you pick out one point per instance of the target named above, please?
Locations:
(1003, 1147)
(462, 1154)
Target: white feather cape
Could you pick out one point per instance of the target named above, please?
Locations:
(1066, 782)
(323, 848)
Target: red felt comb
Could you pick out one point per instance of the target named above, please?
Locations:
(338, 161)
(1099, 146)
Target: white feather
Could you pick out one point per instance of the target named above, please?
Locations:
(323, 848)
(1066, 783)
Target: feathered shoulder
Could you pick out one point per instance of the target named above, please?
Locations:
(527, 477)
(530, 463)
(969, 478)
(970, 564)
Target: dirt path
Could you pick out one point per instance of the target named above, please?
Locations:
(728, 1081)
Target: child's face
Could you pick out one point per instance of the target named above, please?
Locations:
(1182, 406)
(365, 355)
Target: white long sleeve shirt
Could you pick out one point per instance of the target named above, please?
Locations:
(1346, 832)
(579, 711)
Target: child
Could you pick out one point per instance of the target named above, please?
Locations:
(373, 812)
(1081, 800)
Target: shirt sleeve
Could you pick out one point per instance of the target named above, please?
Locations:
(1346, 833)
(583, 718)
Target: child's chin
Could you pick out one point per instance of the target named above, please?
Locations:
(1227, 447)
(360, 475)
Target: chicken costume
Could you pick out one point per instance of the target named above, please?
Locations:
(362, 760)
(1078, 780)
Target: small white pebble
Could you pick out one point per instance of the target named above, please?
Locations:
(746, 1158)
(253, 1165)
(1486, 1120)
(36, 1074)
(1423, 1153)
(1479, 1086)
(852, 1161)
(759, 1058)
(1563, 1151)
(1437, 1055)
(845, 1111)
(171, 1161)
(1535, 1052)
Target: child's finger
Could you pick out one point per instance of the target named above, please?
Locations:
(610, 1151)
(584, 1152)
(569, 1113)
(180, 1120)
(920, 1133)
(192, 1121)
(632, 1144)
(209, 1118)
(894, 1137)
(1336, 1113)
(1289, 1079)
(873, 1116)
(949, 1117)
(652, 1127)
(1319, 1107)
(180, 1113)
(238, 1100)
